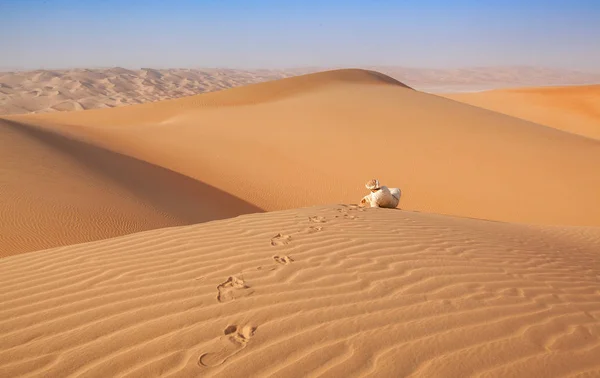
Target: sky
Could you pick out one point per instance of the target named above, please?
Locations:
(53, 34)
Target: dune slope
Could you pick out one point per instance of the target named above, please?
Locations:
(573, 109)
(328, 291)
(55, 190)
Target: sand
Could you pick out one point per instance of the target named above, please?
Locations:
(59, 191)
(214, 235)
(324, 291)
(575, 109)
(292, 143)
(45, 91)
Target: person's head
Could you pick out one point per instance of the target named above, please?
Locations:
(373, 185)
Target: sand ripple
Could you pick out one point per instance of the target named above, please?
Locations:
(381, 293)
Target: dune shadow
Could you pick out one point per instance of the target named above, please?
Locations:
(184, 199)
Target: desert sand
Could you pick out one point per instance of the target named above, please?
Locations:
(45, 91)
(326, 291)
(214, 235)
(284, 144)
(575, 109)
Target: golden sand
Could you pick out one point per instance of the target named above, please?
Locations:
(149, 252)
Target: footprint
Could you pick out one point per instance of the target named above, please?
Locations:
(313, 229)
(347, 208)
(284, 260)
(267, 269)
(234, 340)
(280, 239)
(231, 289)
(346, 215)
(317, 219)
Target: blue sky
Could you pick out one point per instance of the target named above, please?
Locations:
(274, 34)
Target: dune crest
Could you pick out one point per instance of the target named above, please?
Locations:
(43, 91)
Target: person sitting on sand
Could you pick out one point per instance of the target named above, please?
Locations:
(381, 196)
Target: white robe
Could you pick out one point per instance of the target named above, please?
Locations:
(384, 197)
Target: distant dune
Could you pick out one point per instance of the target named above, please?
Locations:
(296, 142)
(575, 109)
(45, 91)
(318, 292)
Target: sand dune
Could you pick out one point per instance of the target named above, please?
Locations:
(327, 291)
(77, 89)
(45, 91)
(573, 109)
(55, 190)
(285, 144)
(486, 78)
(331, 290)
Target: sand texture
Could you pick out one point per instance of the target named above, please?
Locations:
(215, 235)
(325, 291)
(575, 109)
(44, 91)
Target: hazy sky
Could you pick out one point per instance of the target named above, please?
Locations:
(288, 33)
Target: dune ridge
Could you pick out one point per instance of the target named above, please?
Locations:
(252, 94)
(43, 91)
(326, 291)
